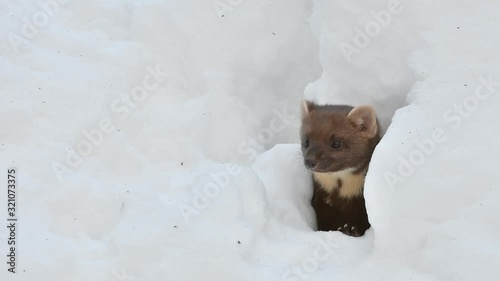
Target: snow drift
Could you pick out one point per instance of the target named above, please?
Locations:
(158, 139)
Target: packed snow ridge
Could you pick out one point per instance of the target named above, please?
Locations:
(158, 140)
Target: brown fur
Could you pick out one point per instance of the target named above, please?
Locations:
(339, 170)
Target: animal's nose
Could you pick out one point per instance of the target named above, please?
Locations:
(310, 163)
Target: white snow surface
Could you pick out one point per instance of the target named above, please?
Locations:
(199, 175)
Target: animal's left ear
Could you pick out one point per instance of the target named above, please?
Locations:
(363, 117)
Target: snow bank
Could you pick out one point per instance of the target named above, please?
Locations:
(157, 139)
(364, 48)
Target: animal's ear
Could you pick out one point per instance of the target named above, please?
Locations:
(364, 118)
(306, 108)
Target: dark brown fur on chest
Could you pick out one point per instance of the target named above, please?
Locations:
(334, 212)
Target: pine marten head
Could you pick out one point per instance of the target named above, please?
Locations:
(338, 137)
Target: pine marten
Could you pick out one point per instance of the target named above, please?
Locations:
(337, 145)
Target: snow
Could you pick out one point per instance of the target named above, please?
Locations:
(158, 140)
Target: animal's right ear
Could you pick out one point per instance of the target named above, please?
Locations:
(306, 108)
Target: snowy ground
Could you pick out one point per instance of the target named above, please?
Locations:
(157, 140)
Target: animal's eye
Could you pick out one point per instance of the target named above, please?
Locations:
(336, 144)
(306, 143)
